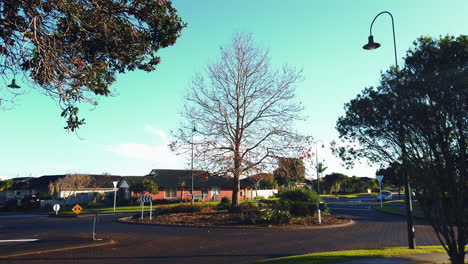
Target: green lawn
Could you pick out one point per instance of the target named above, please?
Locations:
(346, 195)
(387, 208)
(340, 256)
(126, 209)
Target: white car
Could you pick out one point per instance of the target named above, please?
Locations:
(385, 196)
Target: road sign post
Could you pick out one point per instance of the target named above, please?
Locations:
(379, 179)
(56, 208)
(77, 209)
(146, 199)
(115, 192)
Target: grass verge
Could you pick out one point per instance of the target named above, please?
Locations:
(346, 195)
(392, 210)
(128, 209)
(341, 256)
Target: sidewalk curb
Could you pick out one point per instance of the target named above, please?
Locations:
(351, 222)
(88, 245)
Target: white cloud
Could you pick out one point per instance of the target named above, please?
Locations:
(158, 132)
(159, 155)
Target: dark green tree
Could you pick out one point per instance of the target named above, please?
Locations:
(332, 182)
(144, 186)
(289, 171)
(423, 107)
(72, 50)
(392, 175)
(5, 184)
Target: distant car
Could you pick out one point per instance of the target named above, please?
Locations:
(386, 195)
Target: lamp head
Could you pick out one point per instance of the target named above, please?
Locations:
(371, 44)
(14, 85)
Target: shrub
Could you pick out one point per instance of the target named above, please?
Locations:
(281, 217)
(299, 202)
(267, 216)
(244, 207)
(300, 195)
(302, 208)
(225, 204)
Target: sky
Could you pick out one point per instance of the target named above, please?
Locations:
(128, 133)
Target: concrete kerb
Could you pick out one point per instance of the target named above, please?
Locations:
(81, 245)
(424, 258)
(351, 222)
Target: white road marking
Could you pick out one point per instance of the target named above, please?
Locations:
(18, 240)
(353, 209)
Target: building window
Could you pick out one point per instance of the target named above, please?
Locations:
(170, 192)
(215, 191)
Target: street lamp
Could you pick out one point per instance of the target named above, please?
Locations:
(13, 85)
(409, 207)
(317, 165)
(191, 166)
(115, 193)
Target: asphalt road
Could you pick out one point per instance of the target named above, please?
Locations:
(155, 244)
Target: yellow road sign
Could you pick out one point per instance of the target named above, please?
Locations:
(77, 209)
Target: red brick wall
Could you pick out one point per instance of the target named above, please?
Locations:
(184, 194)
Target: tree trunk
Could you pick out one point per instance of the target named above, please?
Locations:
(457, 257)
(236, 189)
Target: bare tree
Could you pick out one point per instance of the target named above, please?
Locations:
(71, 183)
(243, 112)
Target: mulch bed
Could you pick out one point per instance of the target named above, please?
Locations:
(224, 218)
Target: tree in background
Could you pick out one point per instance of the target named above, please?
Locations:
(144, 186)
(423, 108)
(267, 184)
(5, 184)
(71, 183)
(72, 50)
(332, 182)
(289, 172)
(243, 111)
(392, 175)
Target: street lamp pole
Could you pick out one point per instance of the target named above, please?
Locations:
(317, 165)
(409, 207)
(191, 164)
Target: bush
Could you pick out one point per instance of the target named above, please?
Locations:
(225, 204)
(28, 203)
(267, 216)
(303, 208)
(244, 207)
(299, 202)
(300, 195)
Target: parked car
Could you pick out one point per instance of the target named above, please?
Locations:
(384, 196)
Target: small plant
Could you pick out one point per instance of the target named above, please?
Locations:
(225, 204)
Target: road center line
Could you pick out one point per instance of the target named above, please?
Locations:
(18, 240)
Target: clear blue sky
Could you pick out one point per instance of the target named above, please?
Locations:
(128, 134)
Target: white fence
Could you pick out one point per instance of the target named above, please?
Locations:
(252, 194)
(69, 201)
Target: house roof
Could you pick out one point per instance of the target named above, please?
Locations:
(178, 178)
(42, 183)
